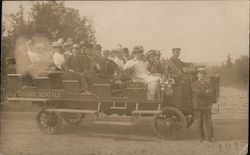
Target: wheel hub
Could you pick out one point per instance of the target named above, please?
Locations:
(168, 122)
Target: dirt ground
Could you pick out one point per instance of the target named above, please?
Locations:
(21, 136)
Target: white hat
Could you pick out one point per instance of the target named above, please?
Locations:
(76, 46)
(59, 43)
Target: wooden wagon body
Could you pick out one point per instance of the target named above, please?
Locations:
(61, 101)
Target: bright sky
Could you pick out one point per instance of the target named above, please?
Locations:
(207, 31)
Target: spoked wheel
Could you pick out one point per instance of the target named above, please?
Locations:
(170, 123)
(49, 122)
(73, 118)
(189, 120)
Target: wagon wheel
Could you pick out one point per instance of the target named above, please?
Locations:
(73, 118)
(49, 122)
(189, 120)
(170, 123)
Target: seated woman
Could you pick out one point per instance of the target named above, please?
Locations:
(140, 72)
(152, 65)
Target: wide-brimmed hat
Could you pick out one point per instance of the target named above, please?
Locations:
(176, 50)
(68, 42)
(151, 52)
(59, 43)
(82, 43)
(137, 49)
(76, 46)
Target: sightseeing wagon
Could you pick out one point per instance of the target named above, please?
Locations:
(61, 101)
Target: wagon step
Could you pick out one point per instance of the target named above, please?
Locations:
(73, 111)
(113, 123)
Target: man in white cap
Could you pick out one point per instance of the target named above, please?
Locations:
(140, 72)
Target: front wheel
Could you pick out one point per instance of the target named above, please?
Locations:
(170, 123)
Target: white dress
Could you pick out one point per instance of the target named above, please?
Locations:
(58, 59)
(119, 62)
(141, 74)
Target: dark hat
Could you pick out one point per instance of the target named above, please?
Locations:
(106, 51)
(97, 47)
(176, 50)
(125, 50)
(138, 49)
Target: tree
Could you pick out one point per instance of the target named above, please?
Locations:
(53, 20)
(229, 64)
(241, 70)
(57, 21)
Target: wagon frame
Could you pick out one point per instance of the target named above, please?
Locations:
(59, 106)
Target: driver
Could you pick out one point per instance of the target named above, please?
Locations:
(175, 65)
(140, 72)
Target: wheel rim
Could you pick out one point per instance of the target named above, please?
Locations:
(73, 118)
(49, 122)
(170, 123)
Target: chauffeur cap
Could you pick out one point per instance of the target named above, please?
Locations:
(176, 50)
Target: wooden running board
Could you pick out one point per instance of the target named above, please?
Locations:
(113, 123)
(73, 111)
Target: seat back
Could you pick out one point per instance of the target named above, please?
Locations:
(136, 90)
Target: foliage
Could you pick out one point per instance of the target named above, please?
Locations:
(236, 73)
(53, 20)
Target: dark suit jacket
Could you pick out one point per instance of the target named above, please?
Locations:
(72, 62)
(176, 65)
(201, 98)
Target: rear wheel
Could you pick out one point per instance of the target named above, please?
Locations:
(49, 122)
(170, 123)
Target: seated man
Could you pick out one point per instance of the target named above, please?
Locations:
(107, 68)
(74, 64)
(140, 72)
(175, 65)
(118, 58)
